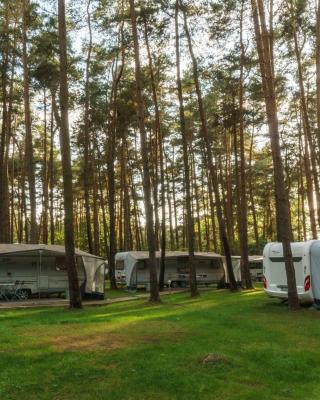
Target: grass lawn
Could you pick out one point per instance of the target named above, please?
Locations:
(134, 351)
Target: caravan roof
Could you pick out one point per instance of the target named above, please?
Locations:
(18, 248)
(144, 255)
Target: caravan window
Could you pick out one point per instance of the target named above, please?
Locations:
(281, 259)
(141, 265)
(255, 265)
(119, 264)
(183, 270)
(183, 260)
(61, 264)
(215, 264)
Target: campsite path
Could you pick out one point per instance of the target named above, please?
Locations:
(35, 303)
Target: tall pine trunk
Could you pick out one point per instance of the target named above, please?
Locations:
(74, 290)
(154, 290)
(245, 272)
(29, 160)
(283, 215)
(186, 164)
(209, 159)
(161, 160)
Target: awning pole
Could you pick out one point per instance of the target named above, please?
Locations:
(40, 266)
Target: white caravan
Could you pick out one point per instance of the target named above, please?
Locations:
(132, 268)
(306, 259)
(255, 267)
(41, 269)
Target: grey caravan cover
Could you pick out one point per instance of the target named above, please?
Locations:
(315, 270)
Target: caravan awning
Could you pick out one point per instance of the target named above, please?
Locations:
(6, 249)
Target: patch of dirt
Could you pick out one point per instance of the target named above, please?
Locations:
(215, 359)
(110, 341)
(96, 341)
(252, 384)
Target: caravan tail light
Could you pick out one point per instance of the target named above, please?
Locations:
(265, 283)
(307, 283)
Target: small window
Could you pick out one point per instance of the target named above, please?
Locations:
(61, 264)
(141, 265)
(119, 264)
(183, 259)
(215, 264)
(183, 270)
(281, 259)
(255, 265)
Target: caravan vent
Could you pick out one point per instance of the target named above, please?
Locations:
(281, 259)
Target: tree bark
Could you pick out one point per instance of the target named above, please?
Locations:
(209, 159)
(154, 290)
(29, 160)
(87, 170)
(74, 290)
(161, 161)
(245, 272)
(187, 173)
(283, 215)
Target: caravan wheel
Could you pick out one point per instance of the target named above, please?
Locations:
(24, 294)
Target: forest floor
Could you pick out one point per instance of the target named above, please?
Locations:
(131, 350)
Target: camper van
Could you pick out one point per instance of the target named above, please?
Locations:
(41, 269)
(132, 268)
(306, 260)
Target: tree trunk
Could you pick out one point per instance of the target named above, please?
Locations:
(187, 173)
(283, 215)
(74, 290)
(209, 159)
(29, 160)
(51, 174)
(45, 203)
(245, 272)
(154, 290)
(252, 202)
(87, 170)
(307, 129)
(4, 195)
(160, 146)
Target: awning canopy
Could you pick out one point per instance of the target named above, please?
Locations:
(20, 249)
(144, 255)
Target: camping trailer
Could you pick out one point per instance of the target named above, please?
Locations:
(132, 268)
(41, 269)
(306, 260)
(255, 267)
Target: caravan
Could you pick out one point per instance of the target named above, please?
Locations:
(255, 268)
(132, 268)
(41, 269)
(306, 259)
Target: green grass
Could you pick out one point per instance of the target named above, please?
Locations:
(115, 294)
(135, 351)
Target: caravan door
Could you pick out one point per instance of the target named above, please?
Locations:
(43, 275)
